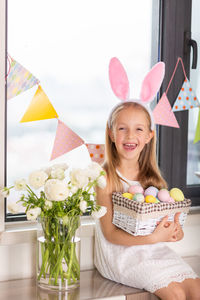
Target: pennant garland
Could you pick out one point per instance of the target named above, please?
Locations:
(186, 98)
(97, 152)
(65, 141)
(197, 133)
(19, 80)
(163, 114)
(40, 108)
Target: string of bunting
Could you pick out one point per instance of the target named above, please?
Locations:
(19, 79)
(186, 99)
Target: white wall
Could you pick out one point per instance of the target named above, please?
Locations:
(190, 245)
(18, 249)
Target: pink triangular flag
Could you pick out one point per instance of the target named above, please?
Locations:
(97, 152)
(163, 114)
(65, 140)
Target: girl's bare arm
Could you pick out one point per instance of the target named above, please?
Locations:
(115, 235)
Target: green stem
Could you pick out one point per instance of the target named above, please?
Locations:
(45, 256)
(31, 191)
(55, 251)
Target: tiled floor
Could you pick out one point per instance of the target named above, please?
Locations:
(92, 286)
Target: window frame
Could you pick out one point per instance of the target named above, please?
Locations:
(3, 13)
(171, 28)
(175, 20)
(154, 49)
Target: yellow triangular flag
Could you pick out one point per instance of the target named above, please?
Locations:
(40, 108)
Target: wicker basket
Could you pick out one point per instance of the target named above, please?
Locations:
(142, 218)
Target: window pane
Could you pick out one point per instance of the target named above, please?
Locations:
(193, 164)
(67, 45)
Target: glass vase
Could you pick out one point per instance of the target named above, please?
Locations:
(58, 253)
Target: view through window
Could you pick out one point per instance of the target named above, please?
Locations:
(67, 45)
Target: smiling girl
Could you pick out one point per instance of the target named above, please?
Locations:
(143, 262)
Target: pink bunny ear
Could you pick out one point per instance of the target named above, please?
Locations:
(152, 82)
(118, 79)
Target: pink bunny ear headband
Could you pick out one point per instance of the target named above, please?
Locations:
(120, 86)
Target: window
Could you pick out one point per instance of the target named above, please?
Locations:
(176, 147)
(193, 161)
(70, 57)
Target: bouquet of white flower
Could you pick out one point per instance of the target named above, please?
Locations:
(58, 207)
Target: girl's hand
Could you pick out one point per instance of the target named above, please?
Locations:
(167, 231)
(179, 232)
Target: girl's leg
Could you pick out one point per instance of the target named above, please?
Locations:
(174, 291)
(192, 288)
(188, 289)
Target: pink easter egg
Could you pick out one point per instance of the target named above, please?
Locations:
(136, 189)
(151, 191)
(163, 195)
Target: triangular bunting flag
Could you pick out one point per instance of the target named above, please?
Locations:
(163, 114)
(19, 80)
(197, 133)
(186, 98)
(97, 152)
(40, 108)
(65, 140)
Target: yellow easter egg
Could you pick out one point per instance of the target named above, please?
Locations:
(128, 195)
(151, 199)
(176, 194)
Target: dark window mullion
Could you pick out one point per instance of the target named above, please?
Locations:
(176, 19)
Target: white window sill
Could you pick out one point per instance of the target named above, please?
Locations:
(26, 232)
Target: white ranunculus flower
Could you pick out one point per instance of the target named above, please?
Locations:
(73, 189)
(48, 204)
(83, 206)
(58, 173)
(4, 192)
(37, 179)
(13, 207)
(101, 182)
(47, 170)
(94, 170)
(20, 185)
(56, 190)
(79, 177)
(62, 166)
(33, 213)
(100, 213)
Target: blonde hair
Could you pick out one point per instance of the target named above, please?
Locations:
(149, 173)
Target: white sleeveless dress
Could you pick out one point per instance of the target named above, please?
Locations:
(148, 267)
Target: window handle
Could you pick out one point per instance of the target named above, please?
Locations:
(188, 43)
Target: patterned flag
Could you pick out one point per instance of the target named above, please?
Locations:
(40, 108)
(186, 98)
(65, 140)
(19, 80)
(97, 152)
(163, 114)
